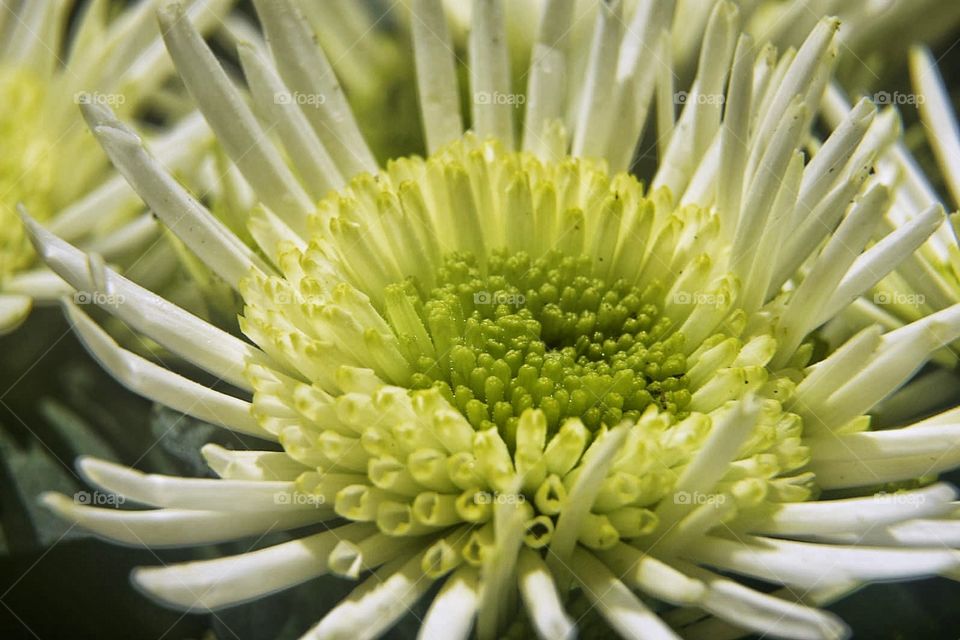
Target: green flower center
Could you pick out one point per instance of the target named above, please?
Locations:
(481, 346)
(520, 333)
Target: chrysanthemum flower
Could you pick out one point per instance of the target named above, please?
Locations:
(47, 161)
(511, 371)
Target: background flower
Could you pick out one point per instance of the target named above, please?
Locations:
(48, 162)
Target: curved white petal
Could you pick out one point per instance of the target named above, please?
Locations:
(237, 129)
(14, 309)
(451, 613)
(761, 612)
(196, 493)
(224, 582)
(375, 605)
(162, 385)
(172, 527)
(179, 331)
(624, 611)
(855, 515)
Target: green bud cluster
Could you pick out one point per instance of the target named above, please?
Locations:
(512, 333)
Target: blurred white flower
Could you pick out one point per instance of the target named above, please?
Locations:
(48, 162)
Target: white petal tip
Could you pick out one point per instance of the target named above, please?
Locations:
(14, 309)
(56, 502)
(100, 472)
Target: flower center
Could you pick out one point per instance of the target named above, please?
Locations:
(520, 333)
(483, 336)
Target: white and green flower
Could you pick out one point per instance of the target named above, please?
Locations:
(510, 369)
(48, 162)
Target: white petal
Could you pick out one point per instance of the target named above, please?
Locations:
(252, 465)
(763, 613)
(540, 597)
(712, 460)
(936, 113)
(877, 261)
(914, 533)
(595, 112)
(177, 150)
(490, 74)
(224, 582)
(196, 493)
(172, 527)
(179, 331)
(305, 69)
(204, 234)
(162, 385)
(829, 267)
(237, 129)
(275, 102)
(41, 284)
(580, 499)
(450, 616)
(652, 576)
(824, 169)
(901, 353)
(622, 610)
(375, 605)
(14, 309)
(132, 235)
(854, 515)
(806, 565)
(547, 84)
(734, 136)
